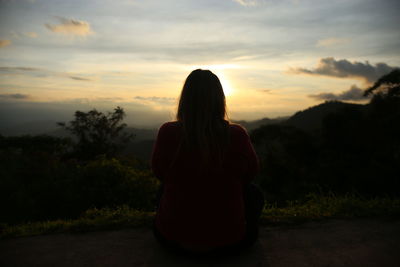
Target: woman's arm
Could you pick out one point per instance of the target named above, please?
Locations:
(159, 156)
(249, 156)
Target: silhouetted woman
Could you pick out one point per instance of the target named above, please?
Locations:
(207, 204)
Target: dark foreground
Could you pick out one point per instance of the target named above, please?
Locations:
(330, 243)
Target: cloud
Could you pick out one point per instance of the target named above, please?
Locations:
(24, 71)
(247, 2)
(156, 99)
(13, 96)
(18, 35)
(79, 78)
(4, 43)
(70, 27)
(328, 42)
(346, 69)
(36, 72)
(13, 69)
(353, 94)
(31, 34)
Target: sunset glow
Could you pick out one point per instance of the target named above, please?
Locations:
(228, 89)
(273, 57)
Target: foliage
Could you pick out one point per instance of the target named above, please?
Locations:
(43, 144)
(388, 86)
(286, 155)
(106, 182)
(91, 220)
(50, 178)
(316, 207)
(40, 184)
(353, 150)
(98, 133)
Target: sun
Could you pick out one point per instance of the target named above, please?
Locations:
(226, 85)
(219, 71)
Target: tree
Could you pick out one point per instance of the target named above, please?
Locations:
(388, 86)
(383, 129)
(98, 133)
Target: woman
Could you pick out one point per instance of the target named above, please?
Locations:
(205, 164)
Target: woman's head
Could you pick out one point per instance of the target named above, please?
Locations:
(202, 112)
(202, 98)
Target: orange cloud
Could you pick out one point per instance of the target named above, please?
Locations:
(4, 43)
(328, 42)
(31, 34)
(70, 27)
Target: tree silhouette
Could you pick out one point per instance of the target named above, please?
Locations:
(384, 129)
(98, 133)
(388, 86)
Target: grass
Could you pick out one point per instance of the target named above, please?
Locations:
(316, 207)
(91, 220)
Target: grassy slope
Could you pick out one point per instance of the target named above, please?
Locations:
(315, 208)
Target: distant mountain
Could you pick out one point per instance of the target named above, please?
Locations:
(142, 134)
(251, 125)
(140, 149)
(31, 128)
(311, 118)
(141, 146)
(51, 128)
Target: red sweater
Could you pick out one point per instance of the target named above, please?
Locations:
(202, 206)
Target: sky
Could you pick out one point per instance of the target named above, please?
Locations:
(273, 57)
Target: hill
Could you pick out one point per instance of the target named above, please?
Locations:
(251, 125)
(311, 118)
(31, 128)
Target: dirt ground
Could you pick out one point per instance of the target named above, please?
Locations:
(329, 243)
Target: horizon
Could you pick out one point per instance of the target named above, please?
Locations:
(145, 131)
(273, 58)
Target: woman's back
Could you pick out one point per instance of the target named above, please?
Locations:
(202, 203)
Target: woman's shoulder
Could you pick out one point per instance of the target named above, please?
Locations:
(237, 129)
(238, 133)
(170, 126)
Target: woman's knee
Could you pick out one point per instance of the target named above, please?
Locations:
(254, 196)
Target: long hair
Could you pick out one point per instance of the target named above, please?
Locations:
(202, 112)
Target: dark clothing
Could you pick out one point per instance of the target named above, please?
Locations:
(254, 204)
(203, 207)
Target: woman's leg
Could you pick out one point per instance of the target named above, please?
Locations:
(159, 194)
(254, 204)
(170, 245)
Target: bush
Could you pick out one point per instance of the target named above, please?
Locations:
(106, 182)
(37, 183)
(287, 156)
